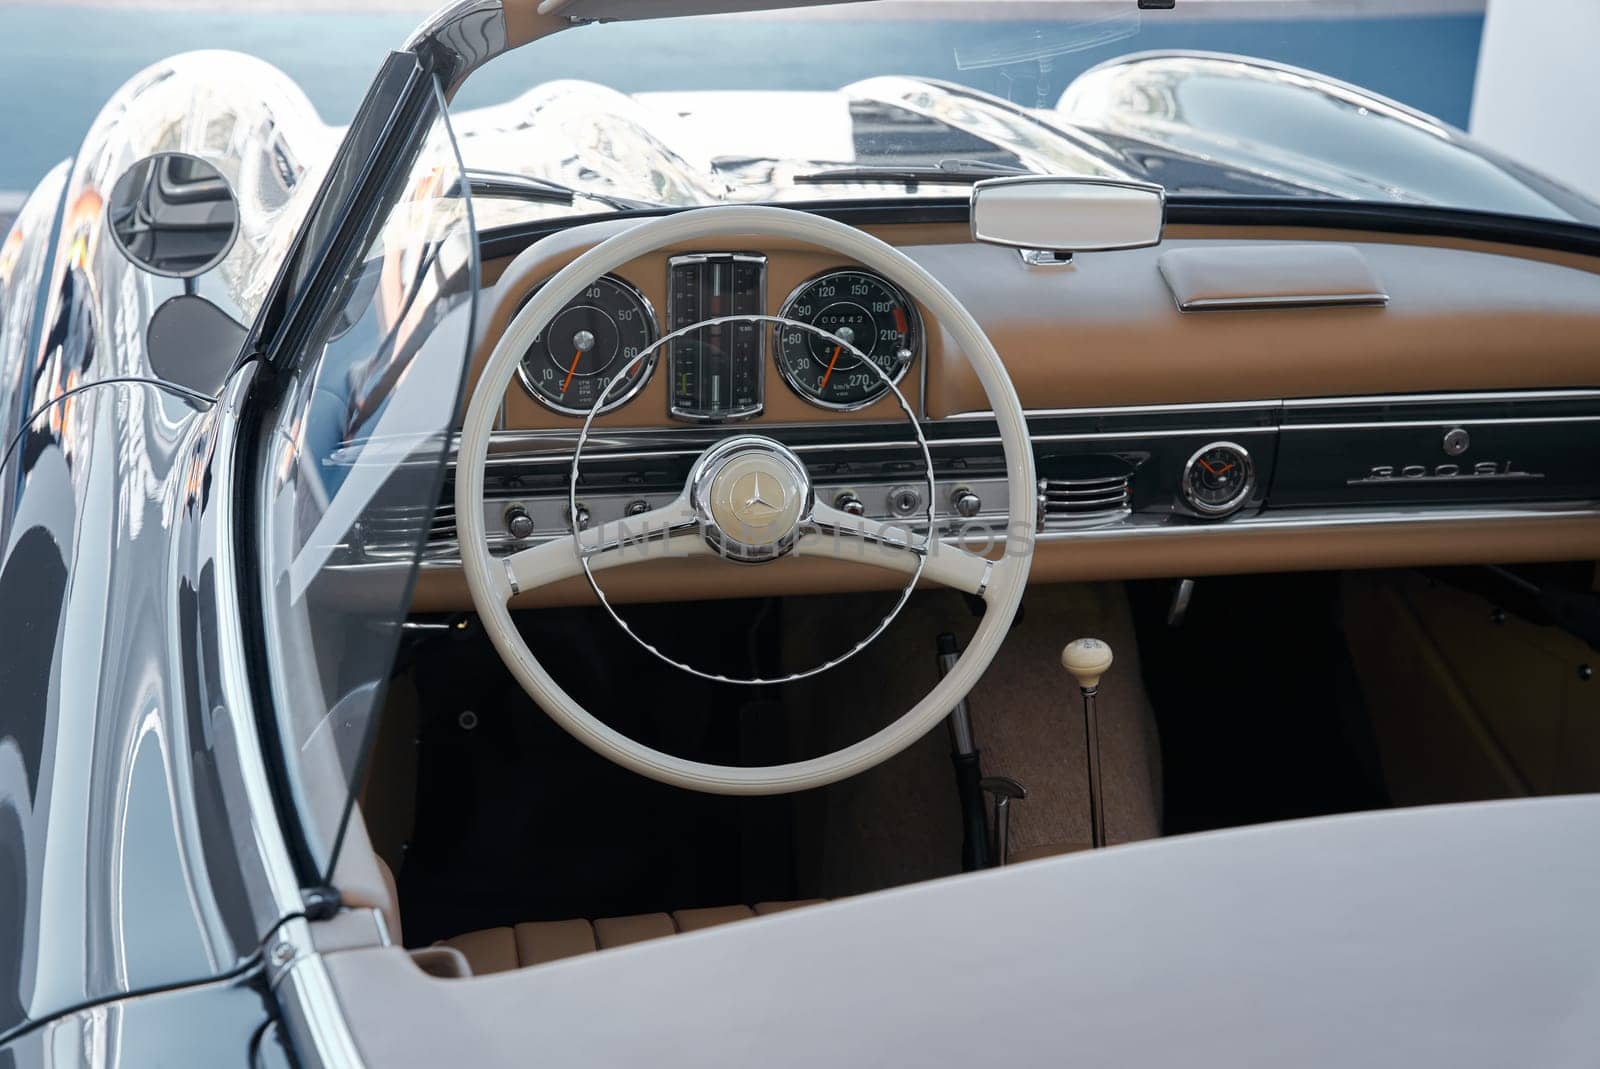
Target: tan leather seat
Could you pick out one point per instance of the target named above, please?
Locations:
(536, 942)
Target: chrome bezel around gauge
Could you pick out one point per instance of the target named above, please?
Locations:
(689, 415)
(913, 314)
(1246, 487)
(645, 372)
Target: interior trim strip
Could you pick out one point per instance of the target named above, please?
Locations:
(1125, 410)
(1330, 519)
(1351, 401)
(1159, 528)
(1482, 421)
(1491, 397)
(1307, 300)
(545, 446)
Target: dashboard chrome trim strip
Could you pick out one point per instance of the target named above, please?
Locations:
(1158, 527)
(1491, 397)
(552, 457)
(1464, 422)
(1330, 519)
(1137, 435)
(1129, 410)
(1352, 401)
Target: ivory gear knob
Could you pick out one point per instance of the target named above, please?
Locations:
(1087, 659)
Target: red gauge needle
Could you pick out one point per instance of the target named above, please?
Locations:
(573, 370)
(1216, 471)
(837, 349)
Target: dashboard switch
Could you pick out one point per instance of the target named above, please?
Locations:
(966, 503)
(848, 502)
(518, 523)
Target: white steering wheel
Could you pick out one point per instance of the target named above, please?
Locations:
(717, 513)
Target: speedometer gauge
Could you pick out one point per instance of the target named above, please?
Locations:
(574, 360)
(859, 308)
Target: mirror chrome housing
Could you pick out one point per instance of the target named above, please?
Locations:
(1062, 215)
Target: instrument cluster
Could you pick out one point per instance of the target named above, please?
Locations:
(719, 337)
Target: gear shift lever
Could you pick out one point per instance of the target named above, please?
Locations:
(1088, 659)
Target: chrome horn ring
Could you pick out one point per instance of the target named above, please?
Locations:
(734, 527)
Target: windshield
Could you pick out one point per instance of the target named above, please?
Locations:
(352, 470)
(1306, 99)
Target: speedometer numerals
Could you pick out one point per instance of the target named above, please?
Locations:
(574, 361)
(861, 310)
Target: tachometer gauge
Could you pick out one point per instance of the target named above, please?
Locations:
(865, 311)
(574, 359)
(1218, 479)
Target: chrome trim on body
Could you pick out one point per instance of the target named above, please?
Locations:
(304, 992)
(232, 663)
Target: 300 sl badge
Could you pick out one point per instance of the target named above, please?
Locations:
(1483, 470)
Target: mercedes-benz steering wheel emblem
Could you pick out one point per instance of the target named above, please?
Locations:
(752, 494)
(758, 503)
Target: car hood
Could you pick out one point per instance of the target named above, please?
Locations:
(1196, 123)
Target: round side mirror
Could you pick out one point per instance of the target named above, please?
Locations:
(173, 214)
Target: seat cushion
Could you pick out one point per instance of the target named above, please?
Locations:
(535, 942)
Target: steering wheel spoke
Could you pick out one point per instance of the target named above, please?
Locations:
(838, 535)
(670, 531)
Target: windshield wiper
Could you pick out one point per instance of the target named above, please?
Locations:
(507, 185)
(955, 172)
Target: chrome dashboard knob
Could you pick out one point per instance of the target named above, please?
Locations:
(518, 523)
(849, 503)
(966, 503)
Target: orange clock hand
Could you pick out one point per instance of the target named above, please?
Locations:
(571, 371)
(826, 375)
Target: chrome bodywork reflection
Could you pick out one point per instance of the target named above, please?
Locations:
(1323, 136)
(121, 786)
(24, 260)
(238, 114)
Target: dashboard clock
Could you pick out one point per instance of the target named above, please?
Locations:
(1218, 479)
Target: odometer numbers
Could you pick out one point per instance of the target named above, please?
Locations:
(858, 308)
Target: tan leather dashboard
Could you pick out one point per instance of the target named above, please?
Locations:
(1105, 331)
(1104, 334)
